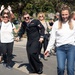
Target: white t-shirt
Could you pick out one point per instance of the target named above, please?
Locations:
(7, 32)
(61, 36)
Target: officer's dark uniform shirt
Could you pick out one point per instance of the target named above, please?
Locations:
(32, 29)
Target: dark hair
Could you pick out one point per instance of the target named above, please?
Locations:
(25, 13)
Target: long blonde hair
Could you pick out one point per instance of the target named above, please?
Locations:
(72, 14)
(65, 7)
(41, 13)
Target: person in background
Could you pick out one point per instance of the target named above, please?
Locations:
(47, 27)
(57, 16)
(63, 36)
(34, 38)
(53, 51)
(7, 37)
(51, 22)
(73, 15)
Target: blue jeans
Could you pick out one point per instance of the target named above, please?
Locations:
(64, 52)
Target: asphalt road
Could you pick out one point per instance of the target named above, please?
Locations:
(21, 65)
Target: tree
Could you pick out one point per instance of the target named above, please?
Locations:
(35, 6)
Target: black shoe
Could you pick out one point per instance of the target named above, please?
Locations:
(8, 67)
(40, 71)
(4, 64)
(32, 72)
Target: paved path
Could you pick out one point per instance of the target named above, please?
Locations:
(21, 59)
(20, 62)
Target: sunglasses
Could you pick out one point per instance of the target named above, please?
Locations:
(5, 17)
(26, 18)
(40, 16)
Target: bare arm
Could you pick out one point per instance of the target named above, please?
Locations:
(17, 30)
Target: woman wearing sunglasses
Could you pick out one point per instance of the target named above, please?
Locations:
(63, 36)
(47, 27)
(9, 9)
(7, 37)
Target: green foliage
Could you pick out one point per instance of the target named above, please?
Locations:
(35, 6)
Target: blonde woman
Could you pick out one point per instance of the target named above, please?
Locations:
(63, 36)
(47, 27)
(73, 15)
